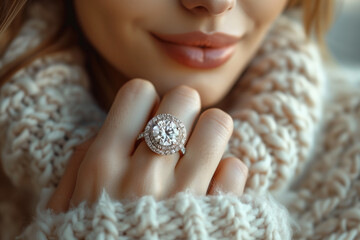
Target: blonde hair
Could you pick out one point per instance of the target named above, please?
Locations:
(317, 15)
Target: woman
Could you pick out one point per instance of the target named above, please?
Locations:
(190, 56)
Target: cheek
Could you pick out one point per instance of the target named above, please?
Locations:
(111, 24)
(263, 11)
(125, 10)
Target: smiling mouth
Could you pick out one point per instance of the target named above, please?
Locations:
(197, 49)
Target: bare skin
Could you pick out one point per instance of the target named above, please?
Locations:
(113, 160)
(110, 161)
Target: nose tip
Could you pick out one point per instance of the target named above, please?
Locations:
(211, 7)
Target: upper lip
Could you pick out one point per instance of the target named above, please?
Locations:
(199, 39)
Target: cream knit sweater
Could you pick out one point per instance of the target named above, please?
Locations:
(296, 131)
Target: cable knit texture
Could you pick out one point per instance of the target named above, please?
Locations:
(300, 144)
(278, 107)
(182, 217)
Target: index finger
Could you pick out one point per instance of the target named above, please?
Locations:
(128, 115)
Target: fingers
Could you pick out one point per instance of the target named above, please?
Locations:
(128, 115)
(204, 150)
(107, 159)
(152, 173)
(182, 102)
(60, 199)
(230, 176)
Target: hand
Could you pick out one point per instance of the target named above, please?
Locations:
(112, 161)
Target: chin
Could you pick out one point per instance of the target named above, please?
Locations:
(209, 97)
(212, 88)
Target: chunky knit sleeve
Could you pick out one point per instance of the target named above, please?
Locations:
(326, 203)
(45, 108)
(279, 105)
(45, 111)
(184, 216)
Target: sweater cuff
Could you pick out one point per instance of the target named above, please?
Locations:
(184, 216)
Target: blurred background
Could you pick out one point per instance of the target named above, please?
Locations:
(344, 38)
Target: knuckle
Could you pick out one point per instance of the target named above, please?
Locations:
(221, 121)
(187, 95)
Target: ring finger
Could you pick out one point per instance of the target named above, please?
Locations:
(182, 102)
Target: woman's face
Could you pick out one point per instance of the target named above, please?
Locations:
(204, 44)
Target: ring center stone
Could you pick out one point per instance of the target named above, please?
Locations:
(165, 132)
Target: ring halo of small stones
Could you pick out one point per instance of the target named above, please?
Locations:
(154, 134)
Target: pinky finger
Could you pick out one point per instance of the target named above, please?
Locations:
(229, 177)
(59, 201)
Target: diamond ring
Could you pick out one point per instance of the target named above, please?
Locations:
(164, 134)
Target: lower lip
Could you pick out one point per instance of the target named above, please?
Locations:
(195, 57)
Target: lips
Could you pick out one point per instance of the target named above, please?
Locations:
(197, 49)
